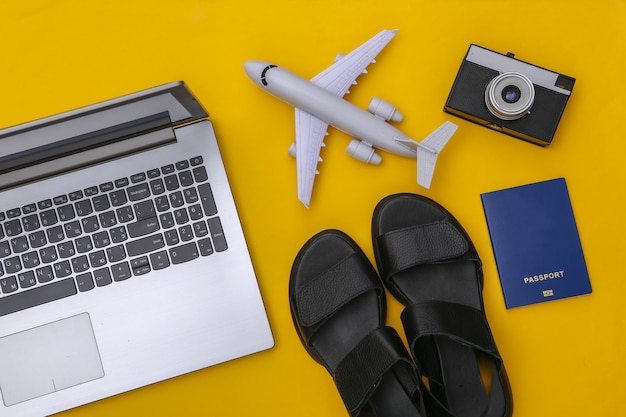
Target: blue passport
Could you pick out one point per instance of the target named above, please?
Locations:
(536, 243)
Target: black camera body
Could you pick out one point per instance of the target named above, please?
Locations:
(509, 95)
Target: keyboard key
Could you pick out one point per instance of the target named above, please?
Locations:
(116, 253)
(138, 177)
(97, 259)
(159, 260)
(138, 192)
(66, 212)
(90, 224)
(48, 217)
(171, 237)
(206, 247)
(118, 198)
(37, 296)
(181, 216)
(5, 249)
(206, 198)
(184, 253)
(29, 208)
(85, 282)
(1, 232)
(217, 234)
(186, 233)
(176, 199)
(145, 245)
(199, 174)
(101, 202)
(107, 219)
(196, 160)
(125, 214)
(13, 227)
(44, 204)
(8, 285)
(26, 279)
(101, 239)
(12, 213)
(120, 271)
(76, 195)
(162, 203)
(45, 274)
(191, 195)
(200, 229)
(143, 227)
(122, 182)
(157, 187)
(62, 199)
(62, 269)
(171, 182)
(185, 177)
(118, 234)
(30, 222)
(167, 220)
(167, 169)
(12, 265)
(66, 249)
(83, 207)
(48, 254)
(19, 244)
(106, 187)
(91, 191)
(153, 173)
(30, 260)
(144, 210)
(37, 239)
(102, 277)
(55, 234)
(140, 266)
(83, 244)
(182, 165)
(195, 212)
(80, 264)
(72, 229)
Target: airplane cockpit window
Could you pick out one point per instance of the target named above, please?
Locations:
(265, 72)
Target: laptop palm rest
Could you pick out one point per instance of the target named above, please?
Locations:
(48, 358)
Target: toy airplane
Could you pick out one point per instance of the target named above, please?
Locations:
(320, 103)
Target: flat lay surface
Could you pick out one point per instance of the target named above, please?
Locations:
(562, 358)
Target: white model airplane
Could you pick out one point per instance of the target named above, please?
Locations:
(320, 103)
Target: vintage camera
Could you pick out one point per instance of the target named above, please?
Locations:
(509, 95)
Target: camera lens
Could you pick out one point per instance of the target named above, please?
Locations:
(510, 95)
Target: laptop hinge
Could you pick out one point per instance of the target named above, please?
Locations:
(85, 150)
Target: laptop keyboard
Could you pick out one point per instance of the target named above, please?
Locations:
(107, 233)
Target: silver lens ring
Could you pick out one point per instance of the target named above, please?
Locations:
(510, 95)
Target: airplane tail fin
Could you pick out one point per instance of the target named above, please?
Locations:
(428, 151)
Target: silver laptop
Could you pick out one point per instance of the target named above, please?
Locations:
(122, 258)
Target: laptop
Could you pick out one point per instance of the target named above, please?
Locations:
(122, 257)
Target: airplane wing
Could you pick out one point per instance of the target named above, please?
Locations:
(310, 132)
(428, 151)
(342, 74)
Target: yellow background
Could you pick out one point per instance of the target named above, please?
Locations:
(564, 358)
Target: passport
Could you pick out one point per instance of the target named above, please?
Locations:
(536, 243)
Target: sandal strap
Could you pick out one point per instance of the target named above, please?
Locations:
(358, 374)
(332, 289)
(462, 323)
(422, 244)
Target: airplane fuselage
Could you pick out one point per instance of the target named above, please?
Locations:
(328, 107)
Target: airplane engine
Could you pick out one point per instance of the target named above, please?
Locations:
(384, 110)
(363, 152)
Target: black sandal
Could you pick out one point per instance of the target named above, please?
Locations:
(428, 262)
(338, 308)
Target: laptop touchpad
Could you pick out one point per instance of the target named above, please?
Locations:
(48, 358)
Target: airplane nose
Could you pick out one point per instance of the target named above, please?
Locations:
(254, 70)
